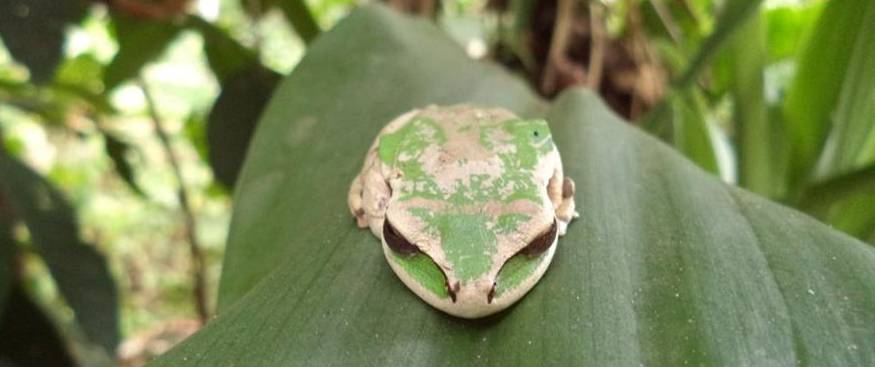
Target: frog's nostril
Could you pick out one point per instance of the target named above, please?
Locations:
(491, 294)
(453, 290)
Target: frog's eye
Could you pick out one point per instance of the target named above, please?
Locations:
(396, 241)
(542, 242)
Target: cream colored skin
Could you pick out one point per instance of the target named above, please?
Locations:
(374, 196)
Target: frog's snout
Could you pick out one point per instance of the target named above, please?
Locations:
(473, 293)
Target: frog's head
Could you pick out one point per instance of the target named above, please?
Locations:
(469, 226)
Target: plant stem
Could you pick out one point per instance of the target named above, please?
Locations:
(665, 17)
(733, 14)
(556, 58)
(197, 257)
(301, 19)
(597, 46)
(754, 132)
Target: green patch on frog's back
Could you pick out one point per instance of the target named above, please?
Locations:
(509, 222)
(411, 139)
(467, 240)
(402, 149)
(467, 243)
(531, 139)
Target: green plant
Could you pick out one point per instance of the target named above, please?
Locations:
(68, 91)
(796, 79)
(666, 266)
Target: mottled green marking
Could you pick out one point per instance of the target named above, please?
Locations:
(507, 223)
(425, 271)
(519, 155)
(403, 148)
(477, 190)
(530, 139)
(517, 269)
(411, 139)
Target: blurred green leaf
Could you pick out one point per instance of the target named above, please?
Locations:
(301, 19)
(823, 70)
(226, 56)
(787, 27)
(81, 77)
(855, 215)
(83, 71)
(681, 120)
(195, 131)
(234, 117)
(746, 55)
(139, 42)
(79, 271)
(28, 337)
(853, 118)
(684, 23)
(53, 102)
(117, 151)
(30, 98)
(33, 32)
(819, 197)
(732, 15)
(665, 266)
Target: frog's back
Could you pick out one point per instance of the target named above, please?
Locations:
(465, 154)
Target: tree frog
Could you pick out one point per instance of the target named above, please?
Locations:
(468, 203)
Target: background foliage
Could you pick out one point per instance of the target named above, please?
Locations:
(125, 124)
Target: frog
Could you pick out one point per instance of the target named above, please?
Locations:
(468, 203)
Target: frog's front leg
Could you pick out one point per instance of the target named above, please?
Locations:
(561, 191)
(369, 195)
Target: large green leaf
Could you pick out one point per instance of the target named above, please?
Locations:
(79, 271)
(665, 266)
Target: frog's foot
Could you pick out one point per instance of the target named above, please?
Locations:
(565, 211)
(354, 200)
